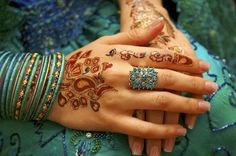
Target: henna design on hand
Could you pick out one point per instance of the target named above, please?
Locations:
(173, 59)
(155, 56)
(144, 14)
(126, 54)
(83, 83)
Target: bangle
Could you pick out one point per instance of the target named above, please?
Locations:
(42, 87)
(11, 84)
(55, 83)
(42, 106)
(16, 82)
(27, 83)
(36, 82)
(3, 63)
(6, 85)
(20, 93)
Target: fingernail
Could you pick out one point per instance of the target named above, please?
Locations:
(154, 151)
(159, 20)
(204, 106)
(211, 86)
(181, 131)
(191, 125)
(136, 149)
(168, 147)
(204, 65)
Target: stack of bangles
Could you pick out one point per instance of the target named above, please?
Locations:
(29, 84)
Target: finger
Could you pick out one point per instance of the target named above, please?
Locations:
(137, 144)
(158, 58)
(165, 101)
(143, 129)
(172, 80)
(170, 118)
(191, 119)
(135, 36)
(154, 145)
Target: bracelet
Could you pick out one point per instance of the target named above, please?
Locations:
(27, 83)
(7, 82)
(15, 84)
(42, 106)
(5, 56)
(41, 88)
(11, 84)
(55, 83)
(36, 83)
(20, 93)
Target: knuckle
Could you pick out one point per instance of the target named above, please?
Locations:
(192, 106)
(195, 85)
(144, 132)
(162, 101)
(135, 36)
(168, 78)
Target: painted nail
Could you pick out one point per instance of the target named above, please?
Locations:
(204, 65)
(204, 106)
(154, 151)
(181, 131)
(169, 145)
(159, 20)
(211, 86)
(136, 149)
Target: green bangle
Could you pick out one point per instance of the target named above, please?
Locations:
(18, 94)
(27, 83)
(12, 82)
(59, 70)
(35, 93)
(42, 88)
(5, 63)
(16, 83)
(42, 106)
(6, 90)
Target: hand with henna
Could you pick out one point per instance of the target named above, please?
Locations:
(95, 93)
(141, 14)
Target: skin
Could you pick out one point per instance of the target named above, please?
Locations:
(113, 109)
(153, 9)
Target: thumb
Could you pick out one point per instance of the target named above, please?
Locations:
(135, 36)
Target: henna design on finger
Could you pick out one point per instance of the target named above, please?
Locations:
(173, 59)
(126, 54)
(155, 56)
(83, 83)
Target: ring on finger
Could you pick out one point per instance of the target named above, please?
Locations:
(143, 78)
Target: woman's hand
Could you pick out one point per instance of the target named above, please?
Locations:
(95, 92)
(141, 14)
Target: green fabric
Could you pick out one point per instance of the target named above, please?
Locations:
(214, 134)
(212, 23)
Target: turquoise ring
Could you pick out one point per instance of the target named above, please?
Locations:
(143, 78)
